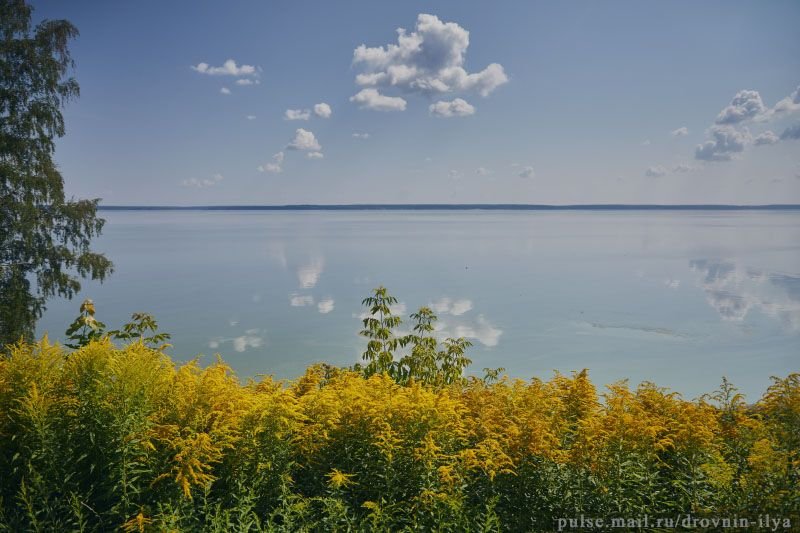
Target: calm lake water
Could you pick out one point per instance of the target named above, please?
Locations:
(676, 297)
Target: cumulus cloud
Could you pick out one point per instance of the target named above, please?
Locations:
(372, 99)
(247, 81)
(297, 114)
(680, 132)
(225, 90)
(455, 108)
(791, 133)
(746, 105)
(229, 68)
(682, 168)
(325, 306)
(361, 136)
(250, 117)
(657, 171)
(203, 183)
(322, 110)
(645, 142)
(768, 137)
(527, 172)
(428, 60)
(483, 171)
(315, 155)
(789, 104)
(300, 300)
(304, 140)
(275, 167)
(725, 141)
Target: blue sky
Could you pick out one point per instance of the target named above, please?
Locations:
(523, 102)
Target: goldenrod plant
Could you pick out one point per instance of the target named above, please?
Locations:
(110, 437)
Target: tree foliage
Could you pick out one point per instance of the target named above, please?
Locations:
(142, 328)
(427, 361)
(44, 237)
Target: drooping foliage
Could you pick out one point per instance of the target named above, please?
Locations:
(44, 237)
(107, 437)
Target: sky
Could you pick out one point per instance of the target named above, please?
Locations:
(291, 102)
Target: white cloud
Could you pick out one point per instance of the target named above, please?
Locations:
(645, 142)
(429, 60)
(325, 306)
(229, 68)
(297, 114)
(682, 168)
(482, 171)
(322, 110)
(455, 108)
(791, 133)
(304, 140)
(225, 90)
(247, 81)
(527, 172)
(250, 117)
(372, 99)
(746, 105)
(299, 300)
(203, 183)
(790, 104)
(657, 171)
(453, 173)
(768, 137)
(672, 283)
(308, 275)
(726, 141)
(315, 155)
(275, 167)
(361, 136)
(680, 132)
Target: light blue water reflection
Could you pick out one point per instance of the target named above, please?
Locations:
(680, 298)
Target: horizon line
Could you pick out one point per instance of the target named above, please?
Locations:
(432, 207)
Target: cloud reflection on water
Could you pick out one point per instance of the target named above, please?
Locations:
(734, 291)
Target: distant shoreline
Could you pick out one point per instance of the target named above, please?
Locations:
(457, 207)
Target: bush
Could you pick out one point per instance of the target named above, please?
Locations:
(107, 437)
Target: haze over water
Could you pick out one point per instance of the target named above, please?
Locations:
(676, 297)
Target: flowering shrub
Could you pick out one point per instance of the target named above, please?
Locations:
(112, 438)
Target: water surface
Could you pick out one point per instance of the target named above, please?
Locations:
(676, 297)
